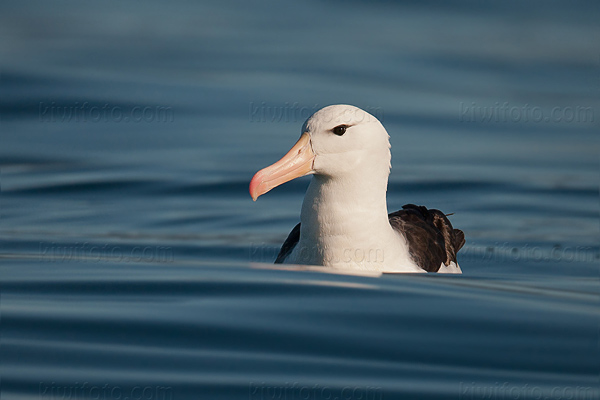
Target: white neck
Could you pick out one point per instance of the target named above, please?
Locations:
(343, 206)
(345, 223)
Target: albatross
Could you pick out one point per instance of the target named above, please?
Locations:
(344, 221)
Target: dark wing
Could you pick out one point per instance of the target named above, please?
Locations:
(288, 245)
(430, 236)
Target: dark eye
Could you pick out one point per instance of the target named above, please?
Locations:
(340, 130)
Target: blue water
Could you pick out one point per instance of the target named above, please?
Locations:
(135, 265)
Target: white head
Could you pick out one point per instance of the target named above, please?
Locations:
(345, 138)
(337, 141)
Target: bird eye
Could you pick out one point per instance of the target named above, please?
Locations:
(340, 130)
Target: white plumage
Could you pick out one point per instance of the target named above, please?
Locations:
(344, 219)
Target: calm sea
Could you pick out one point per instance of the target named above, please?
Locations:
(136, 266)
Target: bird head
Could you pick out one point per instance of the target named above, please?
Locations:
(337, 141)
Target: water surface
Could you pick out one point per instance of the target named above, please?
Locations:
(135, 264)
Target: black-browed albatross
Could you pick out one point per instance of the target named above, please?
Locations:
(344, 223)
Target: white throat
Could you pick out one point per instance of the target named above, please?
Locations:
(345, 224)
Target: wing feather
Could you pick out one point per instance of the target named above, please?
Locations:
(432, 241)
(288, 245)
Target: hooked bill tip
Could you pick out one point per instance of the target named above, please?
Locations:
(254, 183)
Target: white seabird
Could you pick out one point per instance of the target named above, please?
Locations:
(344, 223)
